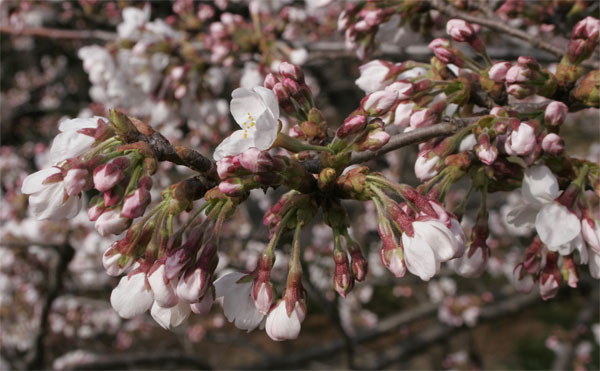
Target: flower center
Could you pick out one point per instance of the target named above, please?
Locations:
(248, 124)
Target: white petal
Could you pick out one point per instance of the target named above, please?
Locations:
(266, 132)
(281, 327)
(225, 283)
(50, 203)
(33, 182)
(131, 296)
(438, 237)
(522, 215)
(539, 185)
(556, 225)
(168, 318)
(246, 105)
(234, 144)
(269, 99)
(68, 145)
(80, 123)
(419, 257)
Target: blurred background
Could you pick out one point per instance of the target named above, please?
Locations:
(65, 59)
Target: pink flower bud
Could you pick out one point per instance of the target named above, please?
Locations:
(112, 196)
(498, 71)
(522, 140)
(403, 113)
(459, 30)
(591, 233)
(522, 280)
(343, 282)
(270, 81)
(218, 30)
(76, 181)
(520, 91)
(95, 211)
(518, 73)
(374, 75)
(393, 260)
(256, 161)
(177, 72)
(114, 262)
(135, 204)
(263, 294)
(111, 222)
(107, 175)
(231, 187)
(497, 111)
(291, 71)
(227, 166)
(553, 144)
(352, 125)
(373, 17)
(379, 102)
(550, 277)
(427, 165)
(442, 50)
(403, 88)
(193, 284)
(423, 118)
(283, 326)
(163, 288)
(180, 92)
(374, 140)
(587, 28)
(359, 264)
(555, 113)
(485, 151)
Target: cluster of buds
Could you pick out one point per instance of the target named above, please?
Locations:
(583, 40)
(429, 235)
(360, 24)
(527, 78)
(225, 38)
(170, 277)
(255, 168)
(462, 31)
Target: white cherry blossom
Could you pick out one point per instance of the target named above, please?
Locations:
(280, 326)
(132, 296)
(257, 113)
(171, 317)
(48, 198)
(70, 142)
(238, 305)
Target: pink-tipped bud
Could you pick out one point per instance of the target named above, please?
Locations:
(343, 282)
(379, 102)
(520, 91)
(498, 71)
(587, 28)
(232, 187)
(522, 280)
(256, 161)
(442, 50)
(135, 204)
(111, 222)
(555, 113)
(375, 140)
(427, 165)
(163, 288)
(228, 166)
(522, 140)
(550, 277)
(291, 71)
(108, 175)
(114, 262)
(291, 86)
(423, 118)
(95, 211)
(403, 88)
(76, 181)
(403, 113)
(359, 264)
(518, 74)
(112, 196)
(193, 284)
(569, 271)
(352, 125)
(270, 81)
(485, 151)
(283, 97)
(459, 30)
(553, 144)
(263, 294)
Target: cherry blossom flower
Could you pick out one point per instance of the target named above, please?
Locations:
(257, 113)
(539, 191)
(374, 76)
(132, 296)
(431, 244)
(238, 305)
(171, 317)
(71, 142)
(281, 326)
(48, 198)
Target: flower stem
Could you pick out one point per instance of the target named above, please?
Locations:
(295, 146)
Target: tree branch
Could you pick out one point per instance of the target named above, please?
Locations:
(503, 27)
(53, 33)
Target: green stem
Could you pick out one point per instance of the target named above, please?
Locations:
(295, 146)
(295, 265)
(280, 229)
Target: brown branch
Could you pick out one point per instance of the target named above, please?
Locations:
(448, 127)
(503, 27)
(52, 33)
